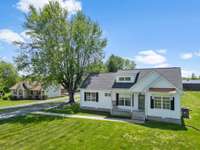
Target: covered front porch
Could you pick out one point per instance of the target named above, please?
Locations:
(128, 104)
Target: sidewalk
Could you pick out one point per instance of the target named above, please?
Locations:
(88, 117)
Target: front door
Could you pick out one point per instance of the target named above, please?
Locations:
(141, 102)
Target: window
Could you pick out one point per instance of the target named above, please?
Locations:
(166, 103)
(107, 94)
(124, 101)
(15, 92)
(124, 78)
(90, 96)
(128, 78)
(157, 102)
(121, 79)
(162, 102)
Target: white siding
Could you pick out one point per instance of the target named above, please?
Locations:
(53, 91)
(104, 101)
(145, 82)
(163, 113)
(162, 83)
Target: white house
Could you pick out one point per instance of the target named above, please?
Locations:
(143, 94)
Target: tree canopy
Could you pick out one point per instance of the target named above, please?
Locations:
(61, 48)
(8, 76)
(115, 63)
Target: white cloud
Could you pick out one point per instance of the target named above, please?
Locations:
(9, 36)
(162, 51)
(162, 65)
(24, 35)
(71, 5)
(150, 57)
(197, 53)
(2, 58)
(189, 55)
(186, 56)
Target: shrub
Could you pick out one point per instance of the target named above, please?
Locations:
(5, 98)
(75, 107)
(68, 109)
(44, 97)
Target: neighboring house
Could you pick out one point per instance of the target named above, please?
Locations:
(191, 85)
(34, 90)
(143, 94)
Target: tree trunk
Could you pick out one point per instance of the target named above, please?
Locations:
(71, 97)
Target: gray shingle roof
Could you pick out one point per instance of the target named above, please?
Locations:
(106, 81)
(191, 81)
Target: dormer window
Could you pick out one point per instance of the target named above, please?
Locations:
(124, 78)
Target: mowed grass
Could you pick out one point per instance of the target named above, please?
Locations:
(34, 132)
(5, 103)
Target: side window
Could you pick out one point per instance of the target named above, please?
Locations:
(107, 94)
(91, 96)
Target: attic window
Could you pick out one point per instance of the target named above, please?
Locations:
(124, 78)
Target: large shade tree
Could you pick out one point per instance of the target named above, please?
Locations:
(61, 47)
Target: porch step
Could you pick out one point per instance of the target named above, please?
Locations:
(138, 116)
(138, 121)
(119, 112)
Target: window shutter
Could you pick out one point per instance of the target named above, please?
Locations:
(172, 104)
(152, 102)
(84, 96)
(97, 96)
(117, 98)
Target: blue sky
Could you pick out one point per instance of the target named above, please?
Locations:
(153, 33)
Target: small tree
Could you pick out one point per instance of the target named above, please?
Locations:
(115, 63)
(8, 76)
(193, 76)
(60, 49)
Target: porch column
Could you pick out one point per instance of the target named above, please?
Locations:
(136, 101)
(132, 102)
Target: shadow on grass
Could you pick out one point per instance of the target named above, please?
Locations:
(34, 119)
(29, 119)
(75, 109)
(165, 126)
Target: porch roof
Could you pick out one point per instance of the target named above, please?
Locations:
(165, 90)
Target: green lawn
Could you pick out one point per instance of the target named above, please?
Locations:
(4, 103)
(41, 132)
(75, 109)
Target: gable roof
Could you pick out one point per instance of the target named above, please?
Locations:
(27, 85)
(191, 81)
(102, 81)
(106, 81)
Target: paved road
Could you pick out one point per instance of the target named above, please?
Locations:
(25, 109)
